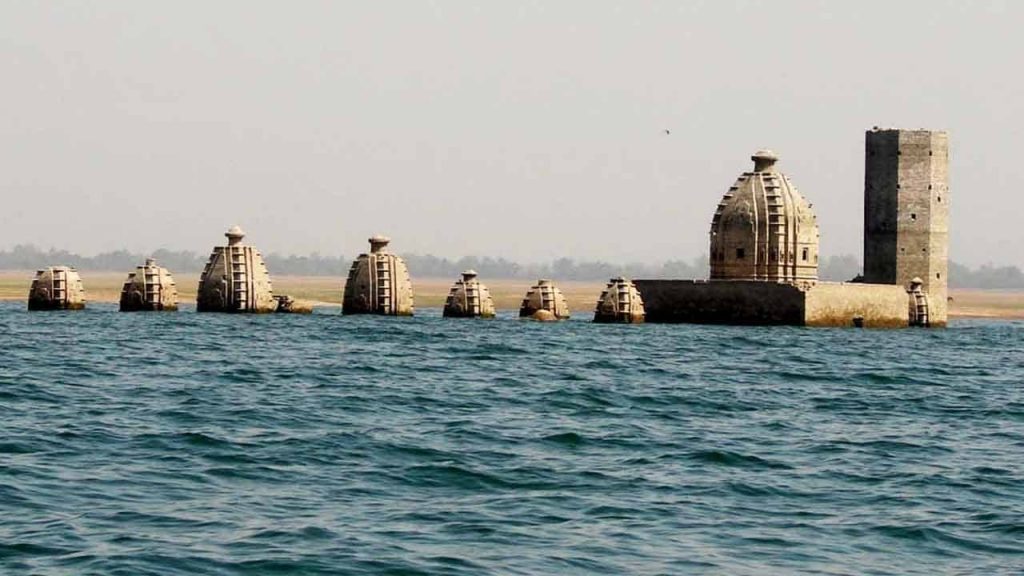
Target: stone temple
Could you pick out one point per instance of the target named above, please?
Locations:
(378, 283)
(619, 303)
(469, 298)
(149, 288)
(56, 288)
(544, 301)
(235, 279)
(764, 229)
(764, 247)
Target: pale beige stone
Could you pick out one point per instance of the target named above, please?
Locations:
(469, 298)
(56, 288)
(378, 283)
(149, 288)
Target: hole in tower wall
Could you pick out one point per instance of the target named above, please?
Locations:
(913, 216)
(740, 253)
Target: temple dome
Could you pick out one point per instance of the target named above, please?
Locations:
(469, 298)
(235, 279)
(620, 302)
(764, 229)
(149, 287)
(378, 283)
(545, 298)
(56, 288)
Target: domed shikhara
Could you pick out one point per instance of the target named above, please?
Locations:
(378, 283)
(547, 297)
(56, 288)
(620, 303)
(235, 279)
(469, 298)
(764, 229)
(149, 287)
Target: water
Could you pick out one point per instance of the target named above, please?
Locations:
(182, 443)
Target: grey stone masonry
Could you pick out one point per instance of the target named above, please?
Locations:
(906, 212)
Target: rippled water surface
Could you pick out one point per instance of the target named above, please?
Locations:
(183, 443)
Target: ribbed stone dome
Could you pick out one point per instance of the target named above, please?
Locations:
(544, 296)
(620, 302)
(469, 298)
(378, 283)
(235, 279)
(149, 287)
(56, 288)
(764, 229)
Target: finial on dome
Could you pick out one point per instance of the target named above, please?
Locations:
(150, 261)
(235, 235)
(378, 243)
(469, 275)
(764, 160)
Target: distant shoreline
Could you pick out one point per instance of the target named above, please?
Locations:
(325, 291)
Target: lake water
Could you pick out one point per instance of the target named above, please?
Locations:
(183, 443)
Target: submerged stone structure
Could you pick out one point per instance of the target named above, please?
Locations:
(235, 279)
(56, 288)
(149, 288)
(544, 301)
(469, 298)
(906, 212)
(620, 302)
(378, 283)
(764, 248)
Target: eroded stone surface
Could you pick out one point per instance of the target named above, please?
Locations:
(378, 283)
(544, 296)
(149, 288)
(235, 279)
(469, 298)
(763, 229)
(620, 302)
(56, 288)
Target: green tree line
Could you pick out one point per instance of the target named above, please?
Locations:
(835, 268)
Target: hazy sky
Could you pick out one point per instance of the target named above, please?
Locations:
(529, 130)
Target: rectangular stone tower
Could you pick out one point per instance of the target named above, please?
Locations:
(906, 212)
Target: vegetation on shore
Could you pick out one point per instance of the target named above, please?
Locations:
(835, 268)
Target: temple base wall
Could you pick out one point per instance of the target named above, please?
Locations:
(770, 303)
(722, 302)
(869, 305)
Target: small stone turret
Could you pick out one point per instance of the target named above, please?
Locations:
(149, 287)
(919, 303)
(378, 283)
(469, 299)
(620, 303)
(56, 288)
(544, 301)
(235, 279)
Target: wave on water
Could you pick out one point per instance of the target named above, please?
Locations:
(215, 444)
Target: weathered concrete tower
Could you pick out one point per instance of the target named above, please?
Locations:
(764, 229)
(235, 279)
(906, 212)
(378, 283)
(150, 287)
